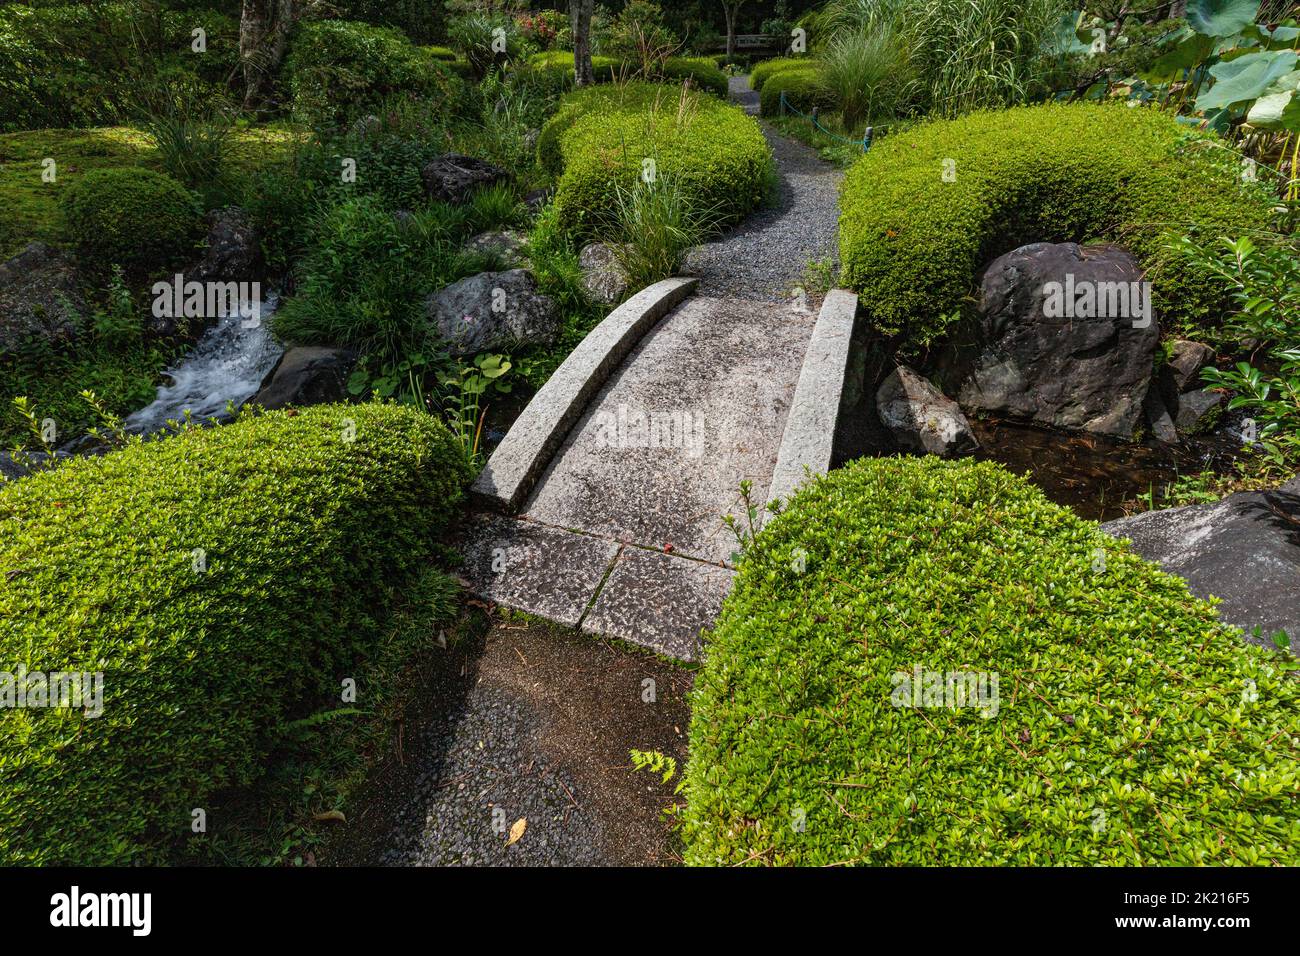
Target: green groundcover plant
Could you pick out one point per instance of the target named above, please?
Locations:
(1127, 725)
(804, 90)
(912, 240)
(604, 137)
(225, 582)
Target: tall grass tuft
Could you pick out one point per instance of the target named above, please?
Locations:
(868, 72)
(192, 133)
(962, 55)
(655, 224)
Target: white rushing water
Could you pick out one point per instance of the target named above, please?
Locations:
(226, 365)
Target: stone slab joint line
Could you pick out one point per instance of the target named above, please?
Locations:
(600, 586)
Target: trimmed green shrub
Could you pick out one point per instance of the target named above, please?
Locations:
(132, 217)
(912, 243)
(700, 70)
(440, 53)
(555, 70)
(1127, 727)
(764, 71)
(803, 89)
(224, 582)
(593, 101)
(715, 153)
(337, 69)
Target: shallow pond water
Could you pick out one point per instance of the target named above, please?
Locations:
(1093, 474)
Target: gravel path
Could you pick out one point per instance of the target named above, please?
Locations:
(527, 723)
(768, 253)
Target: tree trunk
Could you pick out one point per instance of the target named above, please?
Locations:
(580, 19)
(264, 27)
(730, 10)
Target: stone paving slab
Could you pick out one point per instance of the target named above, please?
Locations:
(529, 567)
(699, 406)
(659, 601)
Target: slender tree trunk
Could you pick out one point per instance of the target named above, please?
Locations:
(264, 28)
(580, 19)
(731, 10)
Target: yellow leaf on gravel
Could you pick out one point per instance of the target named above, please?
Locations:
(517, 830)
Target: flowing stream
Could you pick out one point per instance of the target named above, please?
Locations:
(227, 365)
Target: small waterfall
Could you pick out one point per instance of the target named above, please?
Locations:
(226, 365)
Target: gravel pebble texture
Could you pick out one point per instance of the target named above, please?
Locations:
(527, 723)
(767, 254)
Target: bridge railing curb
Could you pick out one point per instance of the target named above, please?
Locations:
(538, 432)
(809, 436)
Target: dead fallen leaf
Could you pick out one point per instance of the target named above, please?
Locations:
(333, 816)
(517, 830)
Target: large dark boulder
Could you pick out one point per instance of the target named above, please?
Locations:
(454, 178)
(1244, 550)
(308, 375)
(233, 254)
(1049, 353)
(921, 418)
(41, 297)
(493, 310)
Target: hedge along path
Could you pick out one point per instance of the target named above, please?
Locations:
(622, 533)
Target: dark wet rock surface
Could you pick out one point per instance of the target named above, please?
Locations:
(40, 297)
(1244, 550)
(306, 375)
(1084, 366)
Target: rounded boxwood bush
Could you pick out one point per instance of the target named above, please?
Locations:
(337, 69)
(700, 70)
(600, 138)
(913, 244)
(762, 72)
(224, 581)
(803, 89)
(554, 70)
(1130, 727)
(136, 218)
(592, 101)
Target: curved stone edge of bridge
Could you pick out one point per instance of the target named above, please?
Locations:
(809, 437)
(537, 434)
